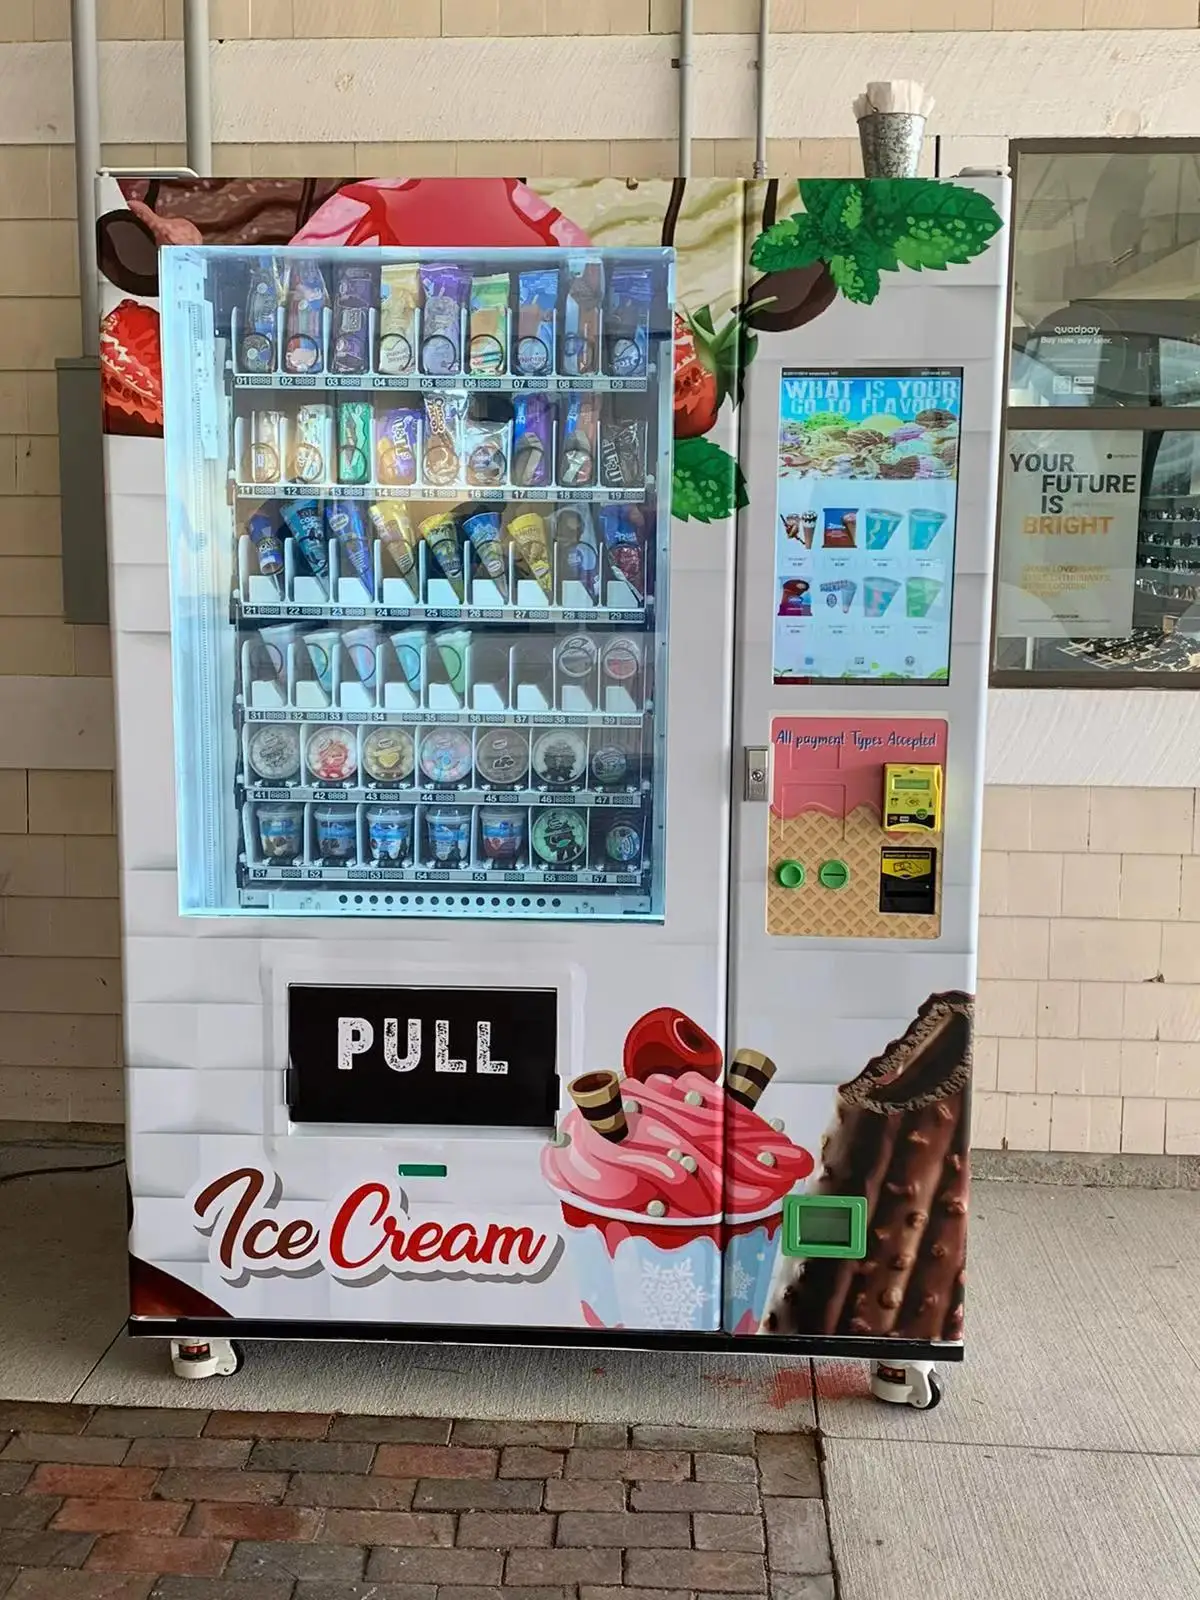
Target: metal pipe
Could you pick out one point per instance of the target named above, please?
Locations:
(86, 95)
(684, 63)
(760, 108)
(197, 88)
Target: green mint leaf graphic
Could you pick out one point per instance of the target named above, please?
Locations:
(856, 277)
(834, 207)
(926, 224)
(852, 210)
(707, 483)
(794, 242)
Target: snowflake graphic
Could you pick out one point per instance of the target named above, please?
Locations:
(670, 1297)
(741, 1284)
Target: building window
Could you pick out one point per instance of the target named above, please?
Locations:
(1098, 568)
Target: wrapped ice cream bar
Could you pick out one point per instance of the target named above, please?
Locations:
(399, 297)
(352, 297)
(445, 290)
(623, 547)
(354, 441)
(533, 441)
(485, 449)
(528, 533)
(443, 438)
(483, 530)
(627, 323)
(268, 547)
(623, 453)
(749, 1074)
(304, 327)
(310, 459)
(307, 527)
(394, 528)
(578, 441)
(349, 527)
(266, 446)
(581, 318)
(397, 442)
(258, 345)
(579, 550)
(537, 314)
(598, 1096)
(488, 349)
(440, 533)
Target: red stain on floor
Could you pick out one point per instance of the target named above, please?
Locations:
(790, 1385)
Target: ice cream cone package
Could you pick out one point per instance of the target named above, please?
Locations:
(623, 547)
(923, 527)
(920, 596)
(353, 295)
(841, 528)
(581, 317)
(307, 528)
(399, 297)
(268, 547)
(488, 348)
(537, 315)
(440, 533)
(579, 548)
(578, 441)
(528, 533)
(878, 594)
(840, 592)
(878, 528)
(394, 529)
(347, 524)
(445, 289)
(484, 532)
(442, 454)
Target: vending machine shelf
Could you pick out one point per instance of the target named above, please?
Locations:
(465, 383)
(518, 719)
(595, 495)
(539, 616)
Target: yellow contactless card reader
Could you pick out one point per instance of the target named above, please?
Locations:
(912, 799)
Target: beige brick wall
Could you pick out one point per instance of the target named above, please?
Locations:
(1090, 988)
(1089, 971)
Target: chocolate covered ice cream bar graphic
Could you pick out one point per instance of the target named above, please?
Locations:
(899, 1139)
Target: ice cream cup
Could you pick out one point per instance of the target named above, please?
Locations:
(878, 528)
(280, 832)
(389, 834)
(502, 835)
(923, 528)
(336, 834)
(449, 832)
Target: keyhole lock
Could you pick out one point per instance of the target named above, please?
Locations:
(757, 765)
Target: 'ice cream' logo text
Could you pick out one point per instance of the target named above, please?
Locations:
(254, 1232)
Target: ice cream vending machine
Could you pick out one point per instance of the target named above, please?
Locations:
(550, 629)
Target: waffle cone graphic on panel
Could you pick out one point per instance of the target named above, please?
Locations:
(899, 1139)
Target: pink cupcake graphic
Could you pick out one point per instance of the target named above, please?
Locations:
(672, 1185)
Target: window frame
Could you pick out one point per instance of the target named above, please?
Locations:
(1082, 419)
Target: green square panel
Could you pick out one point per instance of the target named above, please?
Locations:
(825, 1225)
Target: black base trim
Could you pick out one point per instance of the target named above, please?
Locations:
(895, 1350)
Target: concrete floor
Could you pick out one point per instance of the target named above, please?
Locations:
(1064, 1462)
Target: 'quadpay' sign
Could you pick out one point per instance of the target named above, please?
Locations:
(1068, 543)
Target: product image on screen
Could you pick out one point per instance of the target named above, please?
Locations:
(865, 526)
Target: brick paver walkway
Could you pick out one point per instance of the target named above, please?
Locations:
(193, 1505)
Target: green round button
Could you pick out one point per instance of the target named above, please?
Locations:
(834, 874)
(789, 874)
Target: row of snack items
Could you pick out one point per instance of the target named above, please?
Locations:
(355, 553)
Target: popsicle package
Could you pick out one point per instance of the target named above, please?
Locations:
(307, 528)
(579, 441)
(623, 547)
(397, 443)
(442, 453)
(354, 290)
(528, 533)
(354, 441)
(488, 348)
(537, 315)
(394, 528)
(533, 441)
(348, 526)
(399, 297)
(445, 289)
(627, 323)
(483, 530)
(485, 450)
(304, 325)
(581, 317)
(311, 456)
(440, 533)
(258, 345)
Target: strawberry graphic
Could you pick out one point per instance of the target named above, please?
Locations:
(697, 391)
(131, 369)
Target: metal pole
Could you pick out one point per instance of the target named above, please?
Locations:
(84, 78)
(760, 109)
(684, 63)
(196, 86)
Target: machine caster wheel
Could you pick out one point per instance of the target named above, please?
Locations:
(206, 1358)
(914, 1384)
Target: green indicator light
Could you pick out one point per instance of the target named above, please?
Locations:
(825, 1225)
(789, 874)
(420, 1169)
(834, 874)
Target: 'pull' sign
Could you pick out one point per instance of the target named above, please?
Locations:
(401, 1056)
